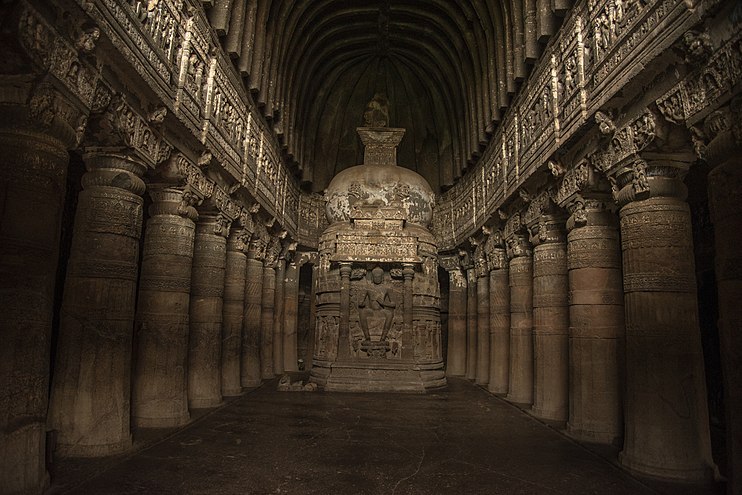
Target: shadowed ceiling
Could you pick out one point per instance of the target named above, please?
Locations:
(448, 67)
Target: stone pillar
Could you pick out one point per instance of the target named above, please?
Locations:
(32, 178)
(550, 320)
(667, 428)
(344, 326)
(207, 301)
(160, 391)
(278, 317)
(471, 324)
(290, 313)
(483, 317)
(725, 189)
(457, 297)
(596, 332)
(312, 319)
(520, 386)
(233, 311)
(499, 290)
(250, 371)
(91, 391)
(266, 321)
(408, 272)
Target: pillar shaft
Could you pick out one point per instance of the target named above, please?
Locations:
(483, 329)
(667, 428)
(250, 371)
(520, 388)
(266, 322)
(91, 391)
(499, 329)
(596, 332)
(343, 351)
(457, 297)
(550, 324)
(233, 313)
(207, 299)
(725, 189)
(160, 392)
(32, 180)
(291, 310)
(471, 324)
(278, 316)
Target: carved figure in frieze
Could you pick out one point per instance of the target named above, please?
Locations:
(376, 301)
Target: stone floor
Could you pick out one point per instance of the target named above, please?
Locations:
(461, 440)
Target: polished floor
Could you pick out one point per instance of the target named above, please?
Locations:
(461, 440)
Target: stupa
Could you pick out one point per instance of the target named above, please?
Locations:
(378, 298)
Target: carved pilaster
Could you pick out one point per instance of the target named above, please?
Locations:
(520, 387)
(233, 308)
(595, 305)
(250, 372)
(206, 305)
(160, 392)
(457, 289)
(662, 334)
(100, 292)
(37, 126)
(499, 312)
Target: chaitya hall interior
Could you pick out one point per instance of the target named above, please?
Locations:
(370, 246)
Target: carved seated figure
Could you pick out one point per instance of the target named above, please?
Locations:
(376, 301)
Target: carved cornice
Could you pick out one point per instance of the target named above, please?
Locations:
(707, 86)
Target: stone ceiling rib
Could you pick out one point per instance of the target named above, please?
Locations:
(471, 53)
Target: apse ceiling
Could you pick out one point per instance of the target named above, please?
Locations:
(448, 67)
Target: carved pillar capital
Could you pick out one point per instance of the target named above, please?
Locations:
(120, 128)
(118, 170)
(494, 249)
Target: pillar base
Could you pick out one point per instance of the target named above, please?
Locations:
(205, 403)
(499, 391)
(703, 473)
(251, 383)
(235, 392)
(591, 436)
(549, 414)
(161, 422)
(81, 450)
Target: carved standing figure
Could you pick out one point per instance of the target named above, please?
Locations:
(377, 300)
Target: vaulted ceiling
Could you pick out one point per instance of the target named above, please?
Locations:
(448, 67)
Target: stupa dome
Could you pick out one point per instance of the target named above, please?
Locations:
(380, 182)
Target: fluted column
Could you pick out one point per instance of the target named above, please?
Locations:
(32, 178)
(596, 312)
(290, 314)
(483, 317)
(471, 323)
(91, 390)
(278, 316)
(160, 391)
(207, 300)
(233, 311)
(550, 320)
(667, 428)
(456, 352)
(499, 306)
(520, 386)
(250, 371)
